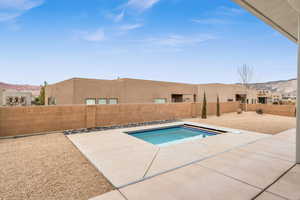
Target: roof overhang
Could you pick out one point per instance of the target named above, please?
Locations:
(277, 13)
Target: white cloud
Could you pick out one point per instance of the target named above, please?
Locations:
(119, 17)
(178, 41)
(93, 36)
(20, 4)
(129, 27)
(11, 9)
(131, 7)
(221, 16)
(141, 5)
(115, 17)
(211, 21)
(8, 16)
(229, 11)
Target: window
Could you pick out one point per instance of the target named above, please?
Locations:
(113, 101)
(160, 101)
(177, 98)
(51, 101)
(90, 101)
(9, 101)
(102, 101)
(23, 100)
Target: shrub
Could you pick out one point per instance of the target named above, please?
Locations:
(218, 107)
(259, 111)
(204, 111)
(239, 111)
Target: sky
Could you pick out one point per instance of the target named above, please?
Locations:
(191, 41)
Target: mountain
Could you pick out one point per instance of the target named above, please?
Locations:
(35, 90)
(284, 87)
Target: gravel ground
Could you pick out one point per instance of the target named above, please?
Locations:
(47, 167)
(270, 124)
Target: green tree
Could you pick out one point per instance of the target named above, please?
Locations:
(42, 97)
(218, 107)
(204, 111)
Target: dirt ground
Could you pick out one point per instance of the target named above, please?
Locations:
(47, 167)
(270, 124)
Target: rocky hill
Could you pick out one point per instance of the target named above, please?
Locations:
(284, 87)
(35, 90)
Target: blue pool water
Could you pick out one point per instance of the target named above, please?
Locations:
(167, 135)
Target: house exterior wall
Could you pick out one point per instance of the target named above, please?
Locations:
(96, 89)
(62, 91)
(78, 90)
(225, 92)
(145, 91)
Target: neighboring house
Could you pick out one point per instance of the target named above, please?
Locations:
(227, 93)
(17, 95)
(269, 97)
(276, 98)
(15, 98)
(289, 99)
(125, 90)
(264, 96)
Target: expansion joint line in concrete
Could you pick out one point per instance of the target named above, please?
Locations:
(265, 189)
(123, 195)
(151, 163)
(218, 172)
(184, 165)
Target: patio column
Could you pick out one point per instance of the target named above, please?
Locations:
(298, 99)
(296, 5)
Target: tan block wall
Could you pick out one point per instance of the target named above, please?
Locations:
(283, 110)
(132, 113)
(30, 120)
(27, 120)
(225, 107)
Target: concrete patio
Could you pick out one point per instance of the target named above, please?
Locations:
(232, 165)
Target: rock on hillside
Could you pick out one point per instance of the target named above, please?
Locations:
(284, 87)
(35, 90)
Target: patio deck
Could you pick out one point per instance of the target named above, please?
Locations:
(227, 166)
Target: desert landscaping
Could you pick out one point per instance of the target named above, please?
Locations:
(47, 167)
(251, 121)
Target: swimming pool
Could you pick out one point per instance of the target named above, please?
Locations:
(163, 136)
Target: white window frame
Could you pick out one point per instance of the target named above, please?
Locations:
(112, 99)
(160, 100)
(90, 99)
(102, 99)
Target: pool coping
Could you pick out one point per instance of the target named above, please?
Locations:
(213, 132)
(81, 141)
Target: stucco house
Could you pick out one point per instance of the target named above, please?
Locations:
(126, 90)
